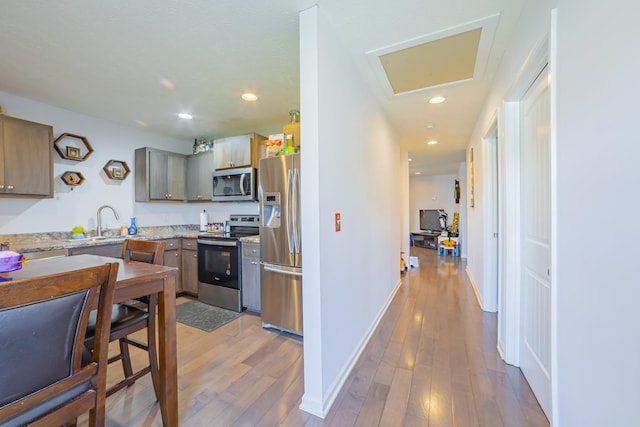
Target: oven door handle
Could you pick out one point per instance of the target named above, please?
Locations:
(218, 242)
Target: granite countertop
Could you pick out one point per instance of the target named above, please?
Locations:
(250, 239)
(36, 242)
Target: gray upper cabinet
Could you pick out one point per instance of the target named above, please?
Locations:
(26, 158)
(199, 180)
(237, 151)
(160, 176)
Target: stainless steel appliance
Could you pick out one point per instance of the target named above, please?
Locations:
(280, 243)
(234, 185)
(219, 262)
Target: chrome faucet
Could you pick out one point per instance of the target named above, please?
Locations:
(99, 220)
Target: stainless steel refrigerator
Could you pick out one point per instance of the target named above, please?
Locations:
(280, 243)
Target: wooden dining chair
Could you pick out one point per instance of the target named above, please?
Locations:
(42, 328)
(127, 318)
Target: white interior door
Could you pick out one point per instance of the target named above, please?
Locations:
(535, 349)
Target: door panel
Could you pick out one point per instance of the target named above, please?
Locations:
(535, 348)
(275, 244)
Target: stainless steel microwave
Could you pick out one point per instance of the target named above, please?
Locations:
(234, 185)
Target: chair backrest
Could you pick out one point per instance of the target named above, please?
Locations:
(143, 250)
(42, 327)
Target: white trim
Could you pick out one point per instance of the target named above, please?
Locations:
(510, 204)
(490, 218)
(553, 154)
(321, 408)
(474, 286)
(509, 234)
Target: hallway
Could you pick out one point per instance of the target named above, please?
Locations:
(433, 360)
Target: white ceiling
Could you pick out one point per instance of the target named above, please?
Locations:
(109, 59)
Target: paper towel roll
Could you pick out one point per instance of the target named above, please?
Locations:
(204, 220)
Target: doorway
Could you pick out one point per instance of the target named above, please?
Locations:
(525, 286)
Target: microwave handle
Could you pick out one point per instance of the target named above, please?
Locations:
(243, 179)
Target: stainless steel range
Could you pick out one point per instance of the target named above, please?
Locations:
(219, 259)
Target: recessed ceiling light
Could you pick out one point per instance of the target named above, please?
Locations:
(432, 142)
(418, 173)
(185, 116)
(410, 159)
(248, 96)
(437, 100)
(168, 84)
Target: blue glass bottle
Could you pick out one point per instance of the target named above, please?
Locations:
(133, 230)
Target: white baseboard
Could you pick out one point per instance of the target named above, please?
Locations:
(475, 288)
(321, 408)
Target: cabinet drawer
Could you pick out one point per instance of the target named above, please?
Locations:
(190, 244)
(171, 244)
(251, 249)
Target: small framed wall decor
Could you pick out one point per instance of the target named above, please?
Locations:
(116, 169)
(73, 147)
(73, 153)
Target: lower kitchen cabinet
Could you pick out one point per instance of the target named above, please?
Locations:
(251, 276)
(190, 266)
(112, 250)
(172, 258)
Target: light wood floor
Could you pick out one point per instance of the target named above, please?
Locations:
(431, 362)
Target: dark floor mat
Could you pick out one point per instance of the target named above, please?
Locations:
(204, 316)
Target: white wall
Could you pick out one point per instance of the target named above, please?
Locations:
(78, 207)
(424, 189)
(597, 162)
(354, 169)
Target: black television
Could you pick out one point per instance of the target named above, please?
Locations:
(432, 220)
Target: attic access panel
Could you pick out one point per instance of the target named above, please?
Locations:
(450, 56)
(434, 63)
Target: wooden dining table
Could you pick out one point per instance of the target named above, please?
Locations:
(135, 279)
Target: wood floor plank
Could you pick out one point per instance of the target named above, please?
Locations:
(432, 361)
(396, 405)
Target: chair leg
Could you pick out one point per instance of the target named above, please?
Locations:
(152, 346)
(126, 358)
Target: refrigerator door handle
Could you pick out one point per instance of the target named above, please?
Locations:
(288, 210)
(296, 206)
(291, 271)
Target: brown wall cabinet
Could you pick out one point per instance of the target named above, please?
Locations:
(160, 176)
(26, 159)
(199, 180)
(238, 151)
